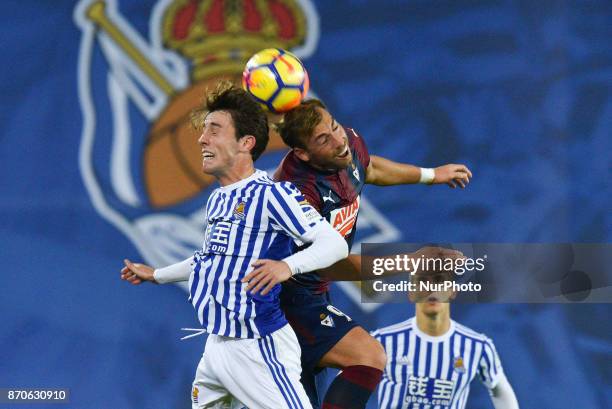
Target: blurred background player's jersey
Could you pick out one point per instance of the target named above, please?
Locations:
(425, 371)
(334, 194)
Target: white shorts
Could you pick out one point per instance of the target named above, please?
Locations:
(256, 373)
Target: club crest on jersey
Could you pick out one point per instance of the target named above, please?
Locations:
(138, 158)
(458, 365)
(327, 321)
(239, 210)
(194, 394)
(355, 171)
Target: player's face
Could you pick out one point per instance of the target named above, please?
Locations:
(432, 308)
(328, 148)
(431, 303)
(218, 143)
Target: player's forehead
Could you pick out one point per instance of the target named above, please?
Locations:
(220, 119)
(325, 122)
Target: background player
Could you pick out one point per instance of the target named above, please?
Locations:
(431, 359)
(251, 352)
(330, 165)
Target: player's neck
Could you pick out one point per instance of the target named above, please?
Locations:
(434, 325)
(322, 169)
(236, 173)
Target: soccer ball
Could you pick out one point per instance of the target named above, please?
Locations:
(276, 78)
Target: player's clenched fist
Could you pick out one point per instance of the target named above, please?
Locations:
(136, 273)
(452, 175)
(266, 274)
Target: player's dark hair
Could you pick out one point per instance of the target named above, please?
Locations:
(248, 116)
(299, 123)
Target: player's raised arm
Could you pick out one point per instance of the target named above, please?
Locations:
(348, 269)
(136, 273)
(290, 213)
(385, 172)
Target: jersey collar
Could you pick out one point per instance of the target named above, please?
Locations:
(430, 338)
(256, 175)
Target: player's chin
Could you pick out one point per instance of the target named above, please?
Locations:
(431, 308)
(208, 166)
(341, 162)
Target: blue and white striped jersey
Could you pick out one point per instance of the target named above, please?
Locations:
(425, 372)
(255, 218)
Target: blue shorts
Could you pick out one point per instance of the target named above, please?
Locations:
(318, 326)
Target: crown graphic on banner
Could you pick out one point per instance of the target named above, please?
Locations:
(218, 36)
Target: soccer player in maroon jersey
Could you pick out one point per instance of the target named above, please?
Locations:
(330, 164)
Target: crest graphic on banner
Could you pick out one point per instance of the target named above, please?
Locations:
(138, 156)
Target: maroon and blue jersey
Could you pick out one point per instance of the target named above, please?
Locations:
(336, 195)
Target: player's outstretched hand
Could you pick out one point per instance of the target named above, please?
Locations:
(453, 175)
(266, 274)
(136, 273)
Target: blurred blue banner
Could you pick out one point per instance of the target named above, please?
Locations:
(98, 163)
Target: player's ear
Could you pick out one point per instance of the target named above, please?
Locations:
(301, 154)
(247, 143)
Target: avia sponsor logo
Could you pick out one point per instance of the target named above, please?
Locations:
(344, 219)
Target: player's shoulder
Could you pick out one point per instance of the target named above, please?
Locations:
(355, 139)
(290, 167)
(294, 170)
(263, 184)
(468, 332)
(282, 187)
(394, 329)
(358, 145)
(351, 132)
(262, 181)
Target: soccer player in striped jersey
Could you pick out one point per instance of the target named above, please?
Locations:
(330, 165)
(251, 352)
(431, 359)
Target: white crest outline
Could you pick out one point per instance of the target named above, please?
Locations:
(170, 64)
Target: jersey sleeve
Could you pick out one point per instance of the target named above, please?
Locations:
(489, 366)
(291, 213)
(376, 335)
(310, 194)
